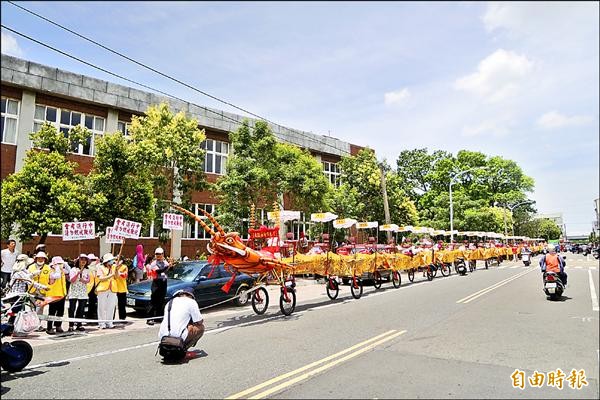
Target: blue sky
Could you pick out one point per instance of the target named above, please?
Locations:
(519, 80)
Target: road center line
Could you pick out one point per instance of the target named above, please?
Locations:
(492, 287)
(593, 292)
(317, 370)
(246, 392)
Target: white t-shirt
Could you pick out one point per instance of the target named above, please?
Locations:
(183, 310)
(8, 260)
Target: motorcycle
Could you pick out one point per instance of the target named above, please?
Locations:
(16, 354)
(526, 258)
(553, 286)
(460, 267)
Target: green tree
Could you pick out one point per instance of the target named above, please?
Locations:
(46, 192)
(261, 170)
(170, 147)
(548, 230)
(121, 181)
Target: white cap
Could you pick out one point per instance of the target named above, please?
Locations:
(41, 254)
(107, 257)
(159, 250)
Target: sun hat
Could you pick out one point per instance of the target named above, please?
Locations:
(107, 258)
(41, 254)
(57, 260)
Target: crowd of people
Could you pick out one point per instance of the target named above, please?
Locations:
(88, 288)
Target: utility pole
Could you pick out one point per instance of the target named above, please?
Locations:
(386, 207)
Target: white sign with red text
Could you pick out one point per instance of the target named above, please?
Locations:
(126, 228)
(80, 230)
(173, 221)
(112, 238)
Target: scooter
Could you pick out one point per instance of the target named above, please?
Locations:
(16, 354)
(526, 258)
(460, 267)
(553, 286)
(596, 253)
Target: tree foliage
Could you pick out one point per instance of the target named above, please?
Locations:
(261, 170)
(46, 192)
(489, 182)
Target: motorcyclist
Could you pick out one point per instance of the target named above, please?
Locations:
(552, 262)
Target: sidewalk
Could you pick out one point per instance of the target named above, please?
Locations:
(138, 323)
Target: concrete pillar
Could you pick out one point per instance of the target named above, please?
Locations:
(176, 235)
(111, 121)
(104, 247)
(25, 127)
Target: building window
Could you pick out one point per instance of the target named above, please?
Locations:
(215, 160)
(65, 120)
(332, 172)
(193, 230)
(123, 127)
(10, 117)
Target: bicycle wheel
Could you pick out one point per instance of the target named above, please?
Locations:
(487, 264)
(434, 269)
(260, 300)
(396, 279)
(356, 288)
(333, 288)
(411, 275)
(377, 281)
(429, 274)
(287, 305)
(445, 269)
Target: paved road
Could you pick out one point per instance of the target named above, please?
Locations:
(454, 337)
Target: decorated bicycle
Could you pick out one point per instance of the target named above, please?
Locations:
(229, 249)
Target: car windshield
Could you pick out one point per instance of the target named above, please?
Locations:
(184, 272)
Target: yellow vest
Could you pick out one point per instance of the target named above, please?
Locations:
(59, 287)
(107, 284)
(121, 283)
(42, 280)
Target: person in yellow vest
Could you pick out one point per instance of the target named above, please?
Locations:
(57, 290)
(121, 288)
(107, 298)
(35, 269)
(92, 306)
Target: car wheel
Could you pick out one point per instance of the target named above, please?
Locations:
(242, 296)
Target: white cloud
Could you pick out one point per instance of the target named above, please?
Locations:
(554, 120)
(396, 98)
(494, 128)
(10, 45)
(498, 76)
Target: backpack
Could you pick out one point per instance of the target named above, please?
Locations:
(171, 347)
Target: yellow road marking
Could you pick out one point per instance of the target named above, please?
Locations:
(388, 335)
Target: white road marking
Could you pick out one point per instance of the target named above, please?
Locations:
(481, 292)
(578, 267)
(502, 267)
(516, 266)
(593, 293)
(594, 268)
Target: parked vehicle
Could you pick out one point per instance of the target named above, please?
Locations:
(193, 275)
(15, 355)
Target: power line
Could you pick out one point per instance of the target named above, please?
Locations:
(169, 76)
(146, 86)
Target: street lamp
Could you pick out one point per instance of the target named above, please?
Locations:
(452, 181)
(511, 208)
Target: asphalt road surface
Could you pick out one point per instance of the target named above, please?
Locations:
(453, 337)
